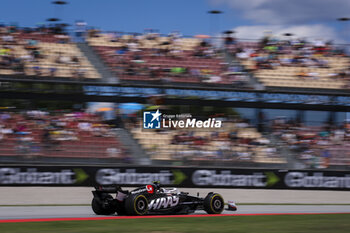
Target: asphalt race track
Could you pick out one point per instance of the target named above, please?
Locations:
(38, 212)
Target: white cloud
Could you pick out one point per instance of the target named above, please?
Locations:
(300, 31)
(280, 12)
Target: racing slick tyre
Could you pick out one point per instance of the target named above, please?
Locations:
(213, 203)
(136, 204)
(99, 209)
(120, 208)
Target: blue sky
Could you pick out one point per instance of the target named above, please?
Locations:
(250, 18)
(188, 16)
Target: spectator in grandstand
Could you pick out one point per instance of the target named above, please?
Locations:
(85, 126)
(37, 70)
(62, 59)
(18, 66)
(62, 38)
(7, 39)
(36, 55)
(31, 44)
(302, 74)
(245, 155)
(121, 50)
(176, 53)
(79, 73)
(113, 152)
(75, 60)
(46, 138)
(1, 134)
(212, 79)
(93, 32)
(24, 144)
(52, 71)
(114, 37)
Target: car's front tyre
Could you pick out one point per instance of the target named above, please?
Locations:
(213, 203)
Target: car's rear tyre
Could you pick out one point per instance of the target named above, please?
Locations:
(99, 209)
(120, 208)
(213, 203)
(136, 204)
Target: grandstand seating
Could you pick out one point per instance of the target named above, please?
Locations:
(43, 54)
(288, 76)
(235, 142)
(74, 135)
(155, 58)
(283, 71)
(316, 146)
(108, 40)
(183, 60)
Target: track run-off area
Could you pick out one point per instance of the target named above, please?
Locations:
(70, 213)
(72, 203)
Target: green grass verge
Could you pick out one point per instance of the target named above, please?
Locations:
(336, 223)
(25, 205)
(293, 204)
(238, 204)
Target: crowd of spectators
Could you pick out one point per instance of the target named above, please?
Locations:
(237, 141)
(167, 60)
(228, 145)
(22, 54)
(75, 134)
(315, 146)
(305, 55)
(171, 58)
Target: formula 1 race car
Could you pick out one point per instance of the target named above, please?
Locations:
(152, 199)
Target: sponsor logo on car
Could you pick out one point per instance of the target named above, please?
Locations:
(139, 191)
(149, 188)
(163, 203)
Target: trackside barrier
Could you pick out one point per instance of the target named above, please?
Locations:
(174, 176)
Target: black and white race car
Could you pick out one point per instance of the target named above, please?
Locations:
(153, 199)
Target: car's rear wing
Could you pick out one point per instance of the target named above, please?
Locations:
(108, 189)
(101, 191)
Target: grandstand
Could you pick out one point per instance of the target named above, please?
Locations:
(275, 64)
(170, 59)
(236, 143)
(76, 135)
(316, 146)
(295, 64)
(154, 59)
(43, 54)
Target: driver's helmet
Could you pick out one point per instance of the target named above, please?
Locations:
(156, 185)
